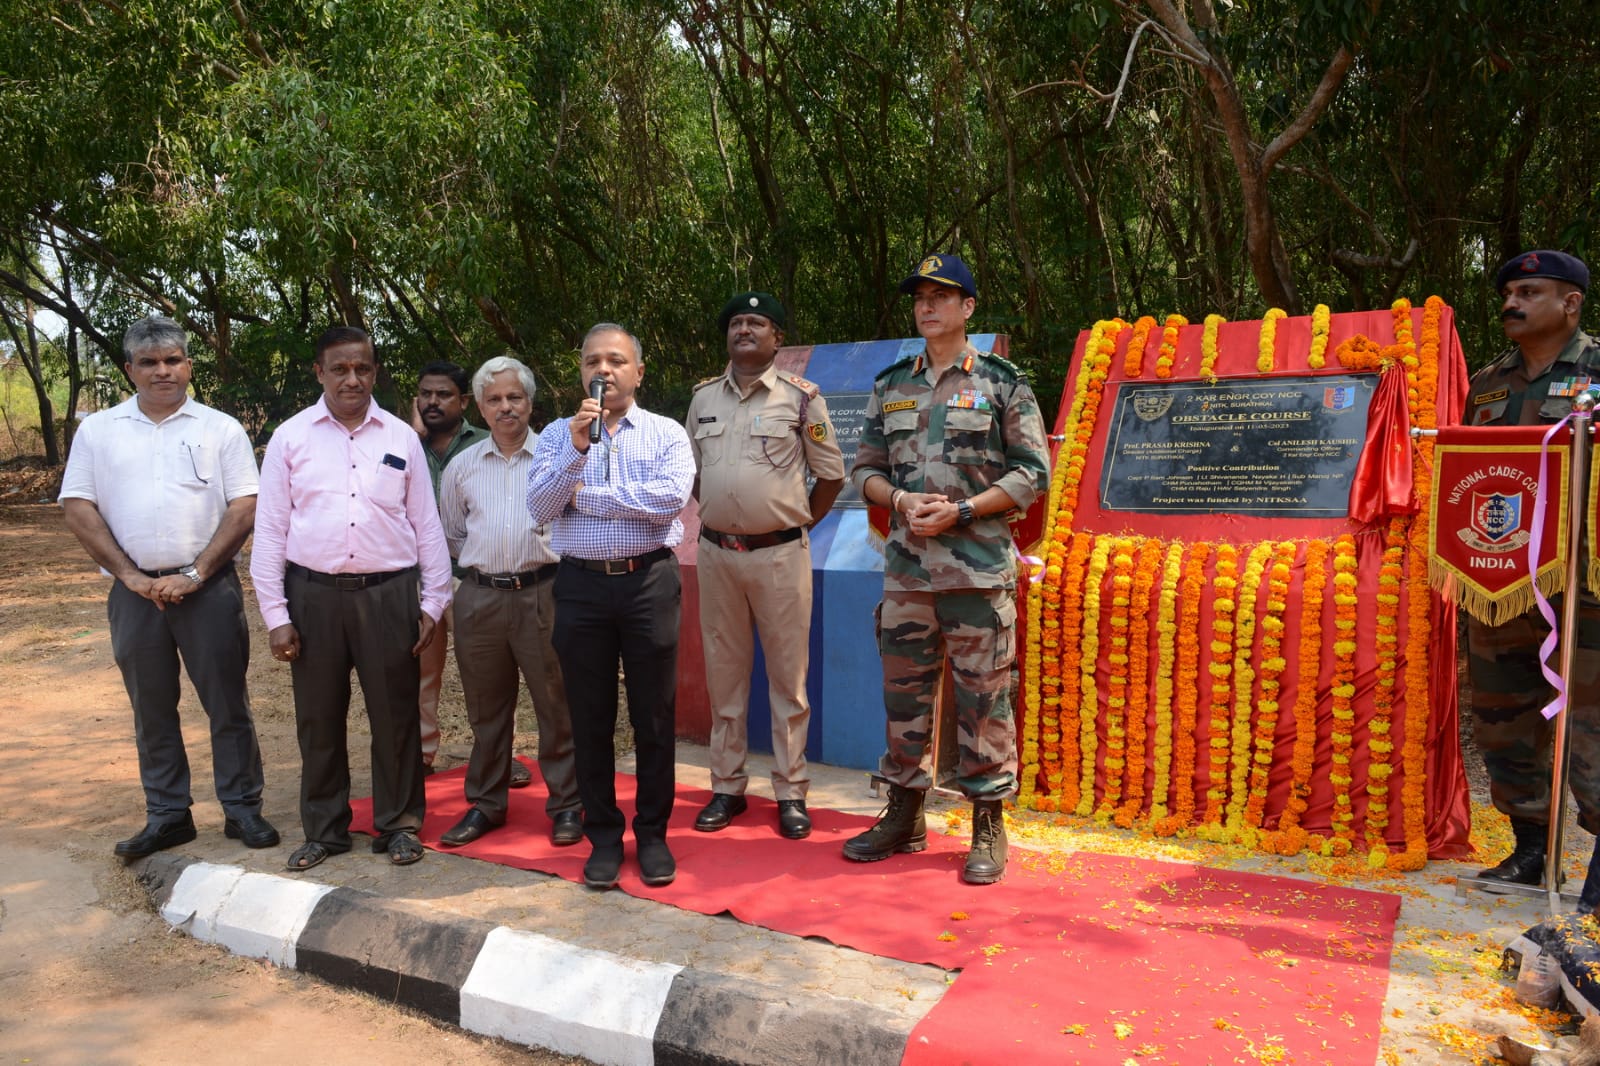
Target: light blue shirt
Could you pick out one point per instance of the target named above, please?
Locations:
(635, 483)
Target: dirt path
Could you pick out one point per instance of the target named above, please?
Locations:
(87, 973)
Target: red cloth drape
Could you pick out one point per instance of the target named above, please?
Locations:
(1382, 486)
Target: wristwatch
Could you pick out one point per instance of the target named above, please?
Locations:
(191, 573)
(964, 513)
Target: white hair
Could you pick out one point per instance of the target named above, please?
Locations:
(499, 365)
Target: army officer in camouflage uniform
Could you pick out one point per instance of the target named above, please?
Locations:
(1533, 383)
(953, 443)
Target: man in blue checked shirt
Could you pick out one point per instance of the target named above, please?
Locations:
(613, 511)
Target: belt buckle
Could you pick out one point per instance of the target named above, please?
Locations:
(507, 582)
(349, 582)
(735, 542)
(618, 566)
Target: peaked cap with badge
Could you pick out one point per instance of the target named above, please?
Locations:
(1543, 263)
(942, 270)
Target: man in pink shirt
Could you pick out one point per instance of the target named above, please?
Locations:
(347, 541)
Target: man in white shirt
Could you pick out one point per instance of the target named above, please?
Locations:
(505, 611)
(161, 492)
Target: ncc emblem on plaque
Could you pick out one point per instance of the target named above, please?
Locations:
(1339, 397)
(1496, 523)
(1151, 405)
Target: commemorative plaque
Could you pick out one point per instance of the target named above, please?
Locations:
(1286, 446)
(848, 413)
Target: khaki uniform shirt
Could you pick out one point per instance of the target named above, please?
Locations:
(977, 426)
(753, 451)
(1502, 393)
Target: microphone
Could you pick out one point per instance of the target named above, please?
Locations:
(597, 389)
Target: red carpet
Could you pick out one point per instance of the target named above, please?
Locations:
(1077, 959)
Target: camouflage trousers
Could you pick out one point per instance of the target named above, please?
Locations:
(1508, 690)
(976, 629)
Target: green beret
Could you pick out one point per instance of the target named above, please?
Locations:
(760, 303)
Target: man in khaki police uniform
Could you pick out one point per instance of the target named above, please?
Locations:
(757, 435)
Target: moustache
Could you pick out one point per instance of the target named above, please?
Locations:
(1508, 314)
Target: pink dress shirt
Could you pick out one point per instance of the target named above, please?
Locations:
(329, 501)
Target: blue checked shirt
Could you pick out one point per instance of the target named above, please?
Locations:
(635, 482)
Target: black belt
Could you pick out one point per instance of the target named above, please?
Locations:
(749, 542)
(180, 569)
(346, 582)
(513, 582)
(613, 567)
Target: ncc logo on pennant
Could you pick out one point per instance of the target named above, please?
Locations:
(1496, 518)
(1339, 397)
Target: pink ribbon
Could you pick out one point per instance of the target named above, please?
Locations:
(1553, 640)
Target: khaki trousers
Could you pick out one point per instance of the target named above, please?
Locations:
(740, 592)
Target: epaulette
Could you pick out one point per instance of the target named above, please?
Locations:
(1005, 364)
(892, 367)
(707, 381)
(810, 388)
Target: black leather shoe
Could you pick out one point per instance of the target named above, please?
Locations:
(156, 836)
(656, 865)
(473, 825)
(604, 867)
(254, 830)
(722, 809)
(1525, 866)
(793, 821)
(521, 776)
(567, 829)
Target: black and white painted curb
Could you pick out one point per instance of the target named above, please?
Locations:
(523, 987)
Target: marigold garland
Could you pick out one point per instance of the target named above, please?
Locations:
(1065, 684)
(1269, 681)
(1419, 600)
(1344, 690)
(1166, 661)
(1223, 606)
(1380, 742)
(1208, 349)
(1318, 356)
(1267, 346)
(1240, 734)
(1361, 353)
(1117, 675)
(1187, 702)
(1133, 358)
(1088, 690)
(1290, 838)
(1145, 575)
(1169, 345)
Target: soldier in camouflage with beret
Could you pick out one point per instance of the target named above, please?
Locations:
(1552, 360)
(953, 443)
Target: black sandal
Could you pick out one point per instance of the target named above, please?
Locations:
(404, 848)
(306, 856)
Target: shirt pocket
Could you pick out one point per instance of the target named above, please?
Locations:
(197, 465)
(773, 440)
(708, 441)
(900, 422)
(966, 435)
(1555, 408)
(386, 487)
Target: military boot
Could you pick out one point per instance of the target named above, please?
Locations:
(986, 862)
(901, 827)
(1525, 864)
(1589, 900)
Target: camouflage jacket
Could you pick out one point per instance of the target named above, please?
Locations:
(978, 425)
(1502, 394)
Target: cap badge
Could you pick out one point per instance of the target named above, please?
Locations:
(930, 265)
(1530, 262)
(754, 302)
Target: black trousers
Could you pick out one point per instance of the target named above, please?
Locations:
(371, 630)
(208, 630)
(634, 618)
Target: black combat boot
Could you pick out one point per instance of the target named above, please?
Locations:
(1525, 864)
(986, 863)
(901, 827)
(1589, 900)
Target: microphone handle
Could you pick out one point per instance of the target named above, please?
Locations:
(597, 390)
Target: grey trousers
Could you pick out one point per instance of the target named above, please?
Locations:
(499, 633)
(372, 631)
(208, 630)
